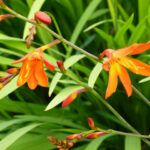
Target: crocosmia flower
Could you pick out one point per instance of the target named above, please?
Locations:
(32, 70)
(118, 61)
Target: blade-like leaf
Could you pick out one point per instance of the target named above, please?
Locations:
(132, 143)
(12, 137)
(94, 74)
(10, 87)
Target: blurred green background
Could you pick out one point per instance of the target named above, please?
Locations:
(93, 25)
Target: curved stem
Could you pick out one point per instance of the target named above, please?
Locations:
(106, 104)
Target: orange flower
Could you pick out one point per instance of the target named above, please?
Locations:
(32, 70)
(117, 62)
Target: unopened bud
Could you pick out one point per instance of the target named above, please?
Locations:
(42, 17)
(1, 86)
(61, 66)
(2, 17)
(5, 78)
(71, 144)
(91, 124)
(95, 135)
(13, 70)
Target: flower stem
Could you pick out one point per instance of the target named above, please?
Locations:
(141, 95)
(106, 104)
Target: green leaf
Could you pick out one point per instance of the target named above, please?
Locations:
(106, 36)
(12, 137)
(94, 145)
(68, 63)
(132, 143)
(83, 20)
(94, 74)
(123, 29)
(9, 88)
(35, 7)
(144, 80)
(60, 97)
(137, 33)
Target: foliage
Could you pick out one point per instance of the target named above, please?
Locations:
(93, 25)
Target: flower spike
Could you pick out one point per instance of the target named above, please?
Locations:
(116, 63)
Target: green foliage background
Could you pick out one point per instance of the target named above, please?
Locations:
(112, 24)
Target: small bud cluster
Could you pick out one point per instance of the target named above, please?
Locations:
(6, 79)
(38, 17)
(61, 145)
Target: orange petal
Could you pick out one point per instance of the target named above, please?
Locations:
(25, 72)
(32, 82)
(135, 66)
(132, 50)
(113, 81)
(40, 74)
(106, 65)
(20, 60)
(125, 79)
(48, 64)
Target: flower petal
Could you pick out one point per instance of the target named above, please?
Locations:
(48, 64)
(106, 65)
(135, 66)
(113, 81)
(20, 60)
(40, 74)
(32, 82)
(25, 72)
(125, 79)
(132, 50)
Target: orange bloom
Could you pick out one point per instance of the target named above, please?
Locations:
(116, 63)
(32, 70)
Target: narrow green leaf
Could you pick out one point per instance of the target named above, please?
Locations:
(94, 145)
(84, 18)
(106, 36)
(123, 29)
(112, 12)
(35, 7)
(144, 80)
(68, 63)
(94, 74)
(9, 88)
(60, 97)
(12, 137)
(132, 143)
(138, 32)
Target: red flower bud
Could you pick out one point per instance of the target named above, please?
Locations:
(2, 17)
(13, 70)
(72, 97)
(91, 124)
(95, 135)
(42, 17)
(61, 66)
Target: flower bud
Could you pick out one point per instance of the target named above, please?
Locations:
(2, 17)
(95, 135)
(13, 70)
(61, 66)
(71, 144)
(72, 97)
(42, 17)
(91, 124)
(72, 137)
